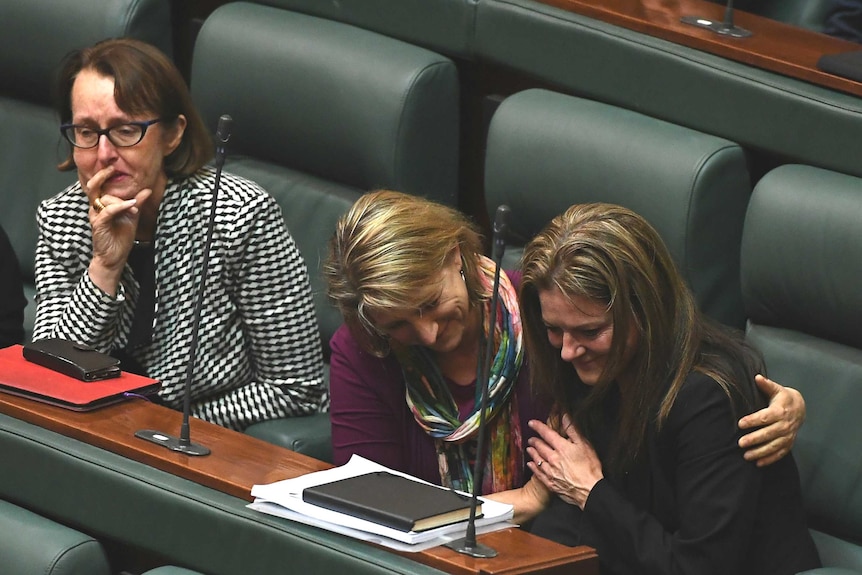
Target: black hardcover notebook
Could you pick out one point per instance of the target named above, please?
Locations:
(392, 500)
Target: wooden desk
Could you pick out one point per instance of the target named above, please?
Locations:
(773, 46)
(239, 461)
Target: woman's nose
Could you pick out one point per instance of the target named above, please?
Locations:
(106, 149)
(571, 348)
(426, 331)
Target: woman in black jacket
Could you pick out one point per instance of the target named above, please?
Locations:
(639, 458)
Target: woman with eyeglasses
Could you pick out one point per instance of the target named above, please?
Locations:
(119, 253)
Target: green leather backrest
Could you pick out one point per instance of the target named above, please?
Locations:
(335, 101)
(445, 26)
(36, 34)
(801, 271)
(547, 151)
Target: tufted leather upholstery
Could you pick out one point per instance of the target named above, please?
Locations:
(547, 151)
(29, 136)
(801, 271)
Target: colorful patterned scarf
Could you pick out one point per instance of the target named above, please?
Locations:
(435, 410)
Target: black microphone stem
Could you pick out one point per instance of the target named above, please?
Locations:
(728, 14)
(468, 544)
(222, 136)
(183, 443)
(479, 466)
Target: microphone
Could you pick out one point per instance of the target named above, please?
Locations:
(183, 443)
(468, 545)
(223, 130)
(725, 28)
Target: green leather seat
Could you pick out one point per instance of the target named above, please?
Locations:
(801, 277)
(547, 151)
(34, 37)
(34, 545)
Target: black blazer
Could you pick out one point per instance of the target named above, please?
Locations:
(691, 504)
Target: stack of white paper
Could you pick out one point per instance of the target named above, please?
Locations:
(284, 499)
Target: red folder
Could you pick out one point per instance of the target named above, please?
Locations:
(27, 379)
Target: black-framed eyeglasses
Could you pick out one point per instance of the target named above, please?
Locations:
(121, 135)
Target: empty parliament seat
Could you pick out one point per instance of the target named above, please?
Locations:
(547, 151)
(801, 279)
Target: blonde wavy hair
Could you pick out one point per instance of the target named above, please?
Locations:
(388, 252)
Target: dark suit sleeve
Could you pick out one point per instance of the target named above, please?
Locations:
(12, 300)
(714, 495)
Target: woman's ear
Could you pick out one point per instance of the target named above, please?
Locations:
(174, 135)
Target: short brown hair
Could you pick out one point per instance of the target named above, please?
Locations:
(145, 81)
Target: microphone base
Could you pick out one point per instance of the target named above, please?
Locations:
(172, 443)
(475, 550)
(716, 26)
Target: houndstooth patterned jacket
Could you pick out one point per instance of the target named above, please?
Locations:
(259, 354)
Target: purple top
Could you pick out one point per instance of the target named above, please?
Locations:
(370, 416)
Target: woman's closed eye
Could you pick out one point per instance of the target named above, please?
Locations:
(429, 306)
(589, 333)
(586, 333)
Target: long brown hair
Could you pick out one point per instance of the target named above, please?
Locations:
(610, 255)
(145, 82)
